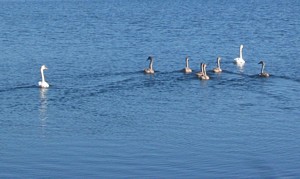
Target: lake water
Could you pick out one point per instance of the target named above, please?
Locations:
(102, 117)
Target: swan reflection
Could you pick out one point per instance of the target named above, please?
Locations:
(43, 106)
(240, 68)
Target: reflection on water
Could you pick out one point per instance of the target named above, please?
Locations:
(43, 106)
(240, 67)
(203, 83)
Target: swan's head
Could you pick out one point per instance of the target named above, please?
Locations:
(150, 58)
(242, 46)
(43, 67)
(261, 62)
(219, 58)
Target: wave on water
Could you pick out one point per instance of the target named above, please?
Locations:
(18, 87)
(285, 78)
(111, 82)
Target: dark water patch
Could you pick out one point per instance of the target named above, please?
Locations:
(262, 168)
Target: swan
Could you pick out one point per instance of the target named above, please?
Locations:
(239, 60)
(43, 83)
(200, 73)
(187, 69)
(218, 68)
(262, 73)
(204, 76)
(150, 69)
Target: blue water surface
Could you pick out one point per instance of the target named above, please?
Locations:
(103, 117)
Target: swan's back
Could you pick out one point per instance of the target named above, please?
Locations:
(264, 74)
(148, 71)
(43, 84)
(199, 74)
(217, 70)
(239, 61)
(204, 77)
(187, 70)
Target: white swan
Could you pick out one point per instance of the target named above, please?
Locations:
(150, 69)
(239, 60)
(43, 83)
(262, 73)
(218, 68)
(187, 69)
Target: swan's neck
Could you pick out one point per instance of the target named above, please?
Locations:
(43, 77)
(262, 68)
(151, 64)
(241, 52)
(186, 63)
(218, 63)
(204, 68)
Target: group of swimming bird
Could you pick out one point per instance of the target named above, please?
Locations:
(201, 74)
